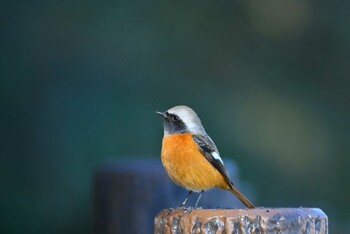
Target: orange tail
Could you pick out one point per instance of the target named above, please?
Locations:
(241, 197)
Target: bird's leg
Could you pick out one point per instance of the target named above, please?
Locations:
(184, 202)
(199, 197)
(189, 209)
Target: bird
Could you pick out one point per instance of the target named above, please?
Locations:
(190, 157)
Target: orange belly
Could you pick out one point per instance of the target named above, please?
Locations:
(186, 165)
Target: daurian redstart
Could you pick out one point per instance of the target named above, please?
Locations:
(191, 158)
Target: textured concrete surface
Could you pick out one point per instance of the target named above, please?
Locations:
(258, 220)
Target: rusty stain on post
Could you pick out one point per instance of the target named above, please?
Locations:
(258, 220)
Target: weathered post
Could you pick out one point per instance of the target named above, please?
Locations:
(243, 221)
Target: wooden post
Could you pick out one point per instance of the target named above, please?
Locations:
(243, 221)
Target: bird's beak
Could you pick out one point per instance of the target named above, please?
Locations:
(160, 113)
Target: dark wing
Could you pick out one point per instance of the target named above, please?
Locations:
(211, 153)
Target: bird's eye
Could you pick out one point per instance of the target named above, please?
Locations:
(175, 118)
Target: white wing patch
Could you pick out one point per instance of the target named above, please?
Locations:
(217, 157)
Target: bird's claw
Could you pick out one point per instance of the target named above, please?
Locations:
(187, 210)
(168, 212)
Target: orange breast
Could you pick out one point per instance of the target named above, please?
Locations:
(186, 165)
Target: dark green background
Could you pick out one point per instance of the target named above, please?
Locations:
(81, 81)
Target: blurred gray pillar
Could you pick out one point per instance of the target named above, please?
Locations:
(129, 194)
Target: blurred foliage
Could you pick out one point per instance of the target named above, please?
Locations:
(81, 80)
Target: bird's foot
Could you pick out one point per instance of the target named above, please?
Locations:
(168, 212)
(188, 210)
